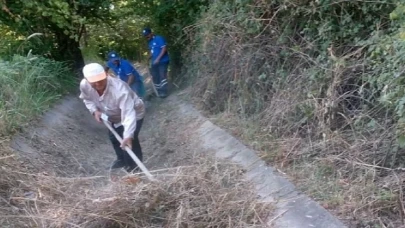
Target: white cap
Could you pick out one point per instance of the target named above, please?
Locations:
(94, 72)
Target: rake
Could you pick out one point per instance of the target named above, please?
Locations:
(130, 152)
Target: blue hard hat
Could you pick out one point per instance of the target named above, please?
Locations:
(113, 55)
(146, 31)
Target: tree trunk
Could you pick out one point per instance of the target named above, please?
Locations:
(69, 51)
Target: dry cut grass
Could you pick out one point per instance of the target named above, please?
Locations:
(338, 171)
(206, 194)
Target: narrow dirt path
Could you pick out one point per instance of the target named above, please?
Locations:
(68, 142)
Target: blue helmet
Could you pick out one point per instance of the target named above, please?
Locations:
(146, 31)
(113, 55)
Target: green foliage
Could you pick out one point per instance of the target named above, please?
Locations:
(10, 41)
(323, 34)
(170, 19)
(385, 76)
(337, 22)
(62, 24)
(68, 17)
(231, 59)
(28, 86)
(124, 37)
(13, 43)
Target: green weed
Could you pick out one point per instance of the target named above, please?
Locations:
(28, 86)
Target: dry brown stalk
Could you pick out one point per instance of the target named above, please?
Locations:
(205, 194)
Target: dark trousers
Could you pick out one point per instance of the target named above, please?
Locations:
(136, 146)
(159, 76)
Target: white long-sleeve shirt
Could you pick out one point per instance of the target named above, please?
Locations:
(118, 102)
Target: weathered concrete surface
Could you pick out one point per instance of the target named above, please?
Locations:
(293, 208)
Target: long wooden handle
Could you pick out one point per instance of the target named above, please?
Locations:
(130, 152)
(151, 79)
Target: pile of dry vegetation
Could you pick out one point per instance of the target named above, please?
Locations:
(206, 194)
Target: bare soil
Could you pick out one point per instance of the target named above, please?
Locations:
(68, 142)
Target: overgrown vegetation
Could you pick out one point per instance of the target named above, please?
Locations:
(317, 88)
(71, 29)
(29, 85)
(123, 31)
(62, 23)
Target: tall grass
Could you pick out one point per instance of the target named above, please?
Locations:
(28, 86)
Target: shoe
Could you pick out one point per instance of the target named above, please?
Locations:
(118, 164)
